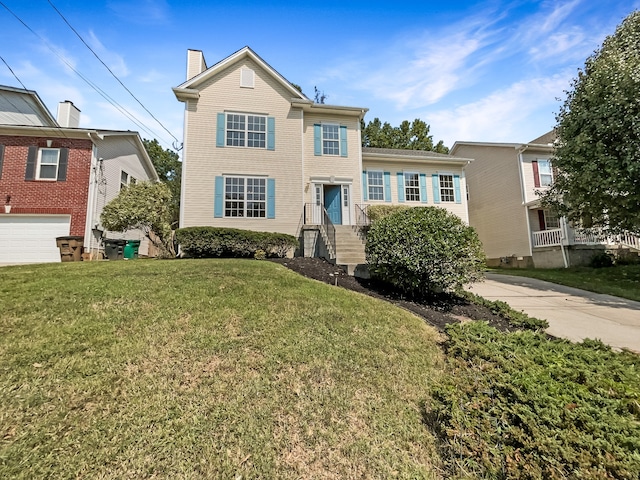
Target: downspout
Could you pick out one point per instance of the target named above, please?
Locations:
(563, 237)
(91, 201)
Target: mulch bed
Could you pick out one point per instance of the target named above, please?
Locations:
(438, 311)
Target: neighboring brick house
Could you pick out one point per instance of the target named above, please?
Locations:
(55, 177)
(259, 155)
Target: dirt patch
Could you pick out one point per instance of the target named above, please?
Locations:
(438, 311)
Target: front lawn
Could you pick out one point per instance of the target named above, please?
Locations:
(620, 280)
(208, 369)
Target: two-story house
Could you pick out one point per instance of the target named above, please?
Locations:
(505, 181)
(55, 177)
(259, 155)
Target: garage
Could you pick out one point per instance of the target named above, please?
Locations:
(31, 238)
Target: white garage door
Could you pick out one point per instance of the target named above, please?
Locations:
(31, 238)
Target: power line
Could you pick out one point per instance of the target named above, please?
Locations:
(102, 93)
(12, 72)
(110, 71)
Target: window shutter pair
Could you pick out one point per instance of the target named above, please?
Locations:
(218, 197)
(435, 180)
(32, 160)
(220, 129)
(317, 140)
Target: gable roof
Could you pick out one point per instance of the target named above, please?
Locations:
(189, 89)
(19, 106)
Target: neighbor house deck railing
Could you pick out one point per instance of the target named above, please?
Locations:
(547, 238)
(550, 238)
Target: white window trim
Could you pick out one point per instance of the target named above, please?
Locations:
(369, 199)
(453, 186)
(39, 165)
(130, 179)
(246, 116)
(405, 186)
(550, 174)
(327, 124)
(244, 201)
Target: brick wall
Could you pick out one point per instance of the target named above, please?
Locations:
(43, 196)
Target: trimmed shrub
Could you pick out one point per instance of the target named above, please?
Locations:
(424, 250)
(376, 212)
(601, 260)
(201, 242)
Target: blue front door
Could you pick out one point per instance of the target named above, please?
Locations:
(332, 203)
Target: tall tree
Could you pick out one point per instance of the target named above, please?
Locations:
(407, 136)
(167, 164)
(597, 157)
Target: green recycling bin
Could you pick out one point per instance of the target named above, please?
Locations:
(131, 249)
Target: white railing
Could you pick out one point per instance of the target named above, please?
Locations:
(629, 240)
(547, 238)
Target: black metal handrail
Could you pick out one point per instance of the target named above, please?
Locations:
(316, 214)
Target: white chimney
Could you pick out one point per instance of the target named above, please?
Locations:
(195, 63)
(68, 115)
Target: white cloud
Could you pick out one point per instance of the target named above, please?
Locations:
(141, 11)
(503, 115)
(114, 60)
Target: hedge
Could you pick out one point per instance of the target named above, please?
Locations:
(201, 242)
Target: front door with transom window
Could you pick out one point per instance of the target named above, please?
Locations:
(333, 203)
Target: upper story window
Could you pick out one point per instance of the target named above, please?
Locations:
(126, 179)
(375, 185)
(330, 140)
(246, 130)
(412, 187)
(48, 161)
(545, 173)
(447, 191)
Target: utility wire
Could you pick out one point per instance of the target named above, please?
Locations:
(89, 82)
(110, 71)
(12, 72)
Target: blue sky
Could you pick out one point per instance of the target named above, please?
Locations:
(479, 71)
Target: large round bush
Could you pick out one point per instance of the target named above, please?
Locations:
(424, 250)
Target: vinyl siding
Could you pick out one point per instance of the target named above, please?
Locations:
(495, 199)
(204, 161)
(395, 166)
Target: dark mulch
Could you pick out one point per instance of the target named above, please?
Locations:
(437, 311)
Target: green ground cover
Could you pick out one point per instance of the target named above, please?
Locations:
(620, 280)
(208, 369)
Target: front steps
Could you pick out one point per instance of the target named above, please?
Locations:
(350, 250)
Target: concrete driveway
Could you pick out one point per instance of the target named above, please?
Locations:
(572, 313)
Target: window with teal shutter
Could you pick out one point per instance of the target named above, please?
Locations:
(435, 181)
(271, 133)
(221, 119)
(317, 139)
(365, 186)
(218, 197)
(456, 186)
(387, 186)
(343, 141)
(271, 198)
(423, 188)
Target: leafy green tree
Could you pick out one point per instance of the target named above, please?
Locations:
(146, 206)
(407, 136)
(424, 250)
(167, 164)
(597, 156)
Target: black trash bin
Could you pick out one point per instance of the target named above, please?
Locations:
(114, 249)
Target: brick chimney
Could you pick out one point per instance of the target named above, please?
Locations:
(68, 115)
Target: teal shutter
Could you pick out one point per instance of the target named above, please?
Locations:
(436, 187)
(387, 187)
(317, 139)
(423, 188)
(271, 198)
(62, 164)
(365, 187)
(271, 133)
(218, 197)
(343, 141)
(400, 176)
(456, 186)
(220, 130)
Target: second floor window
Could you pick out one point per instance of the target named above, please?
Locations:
(48, 163)
(330, 140)
(545, 173)
(246, 130)
(447, 192)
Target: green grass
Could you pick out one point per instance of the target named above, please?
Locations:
(621, 280)
(208, 369)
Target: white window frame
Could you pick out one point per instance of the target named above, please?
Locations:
(447, 193)
(241, 207)
(407, 187)
(326, 139)
(381, 186)
(243, 139)
(551, 220)
(40, 164)
(126, 179)
(548, 174)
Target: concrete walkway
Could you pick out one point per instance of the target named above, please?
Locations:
(572, 313)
